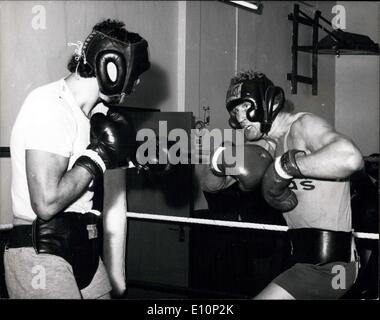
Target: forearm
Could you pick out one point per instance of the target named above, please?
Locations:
(114, 256)
(337, 160)
(115, 228)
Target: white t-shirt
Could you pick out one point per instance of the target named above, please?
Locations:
(49, 120)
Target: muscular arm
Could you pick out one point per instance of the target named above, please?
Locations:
(51, 187)
(331, 155)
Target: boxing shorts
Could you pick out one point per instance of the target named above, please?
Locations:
(319, 258)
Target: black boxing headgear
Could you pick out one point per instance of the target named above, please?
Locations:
(265, 99)
(129, 59)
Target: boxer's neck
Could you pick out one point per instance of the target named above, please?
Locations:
(85, 91)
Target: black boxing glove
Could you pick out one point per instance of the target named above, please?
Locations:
(276, 180)
(112, 143)
(148, 155)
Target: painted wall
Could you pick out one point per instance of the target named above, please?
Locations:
(357, 85)
(5, 193)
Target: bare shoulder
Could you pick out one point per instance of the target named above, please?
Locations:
(309, 122)
(311, 132)
(310, 126)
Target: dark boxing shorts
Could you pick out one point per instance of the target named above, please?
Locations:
(315, 282)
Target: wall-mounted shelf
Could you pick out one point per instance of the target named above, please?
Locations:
(337, 42)
(339, 52)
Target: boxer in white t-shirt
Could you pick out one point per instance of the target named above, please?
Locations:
(60, 148)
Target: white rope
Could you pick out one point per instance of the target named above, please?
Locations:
(233, 224)
(366, 235)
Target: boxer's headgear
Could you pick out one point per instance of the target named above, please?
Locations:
(265, 99)
(130, 60)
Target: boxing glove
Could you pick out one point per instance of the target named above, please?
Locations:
(112, 143)
(148, 155)
(276, 181)
(245, 163)
(211, 182)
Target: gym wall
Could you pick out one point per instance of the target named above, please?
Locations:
(357, 81)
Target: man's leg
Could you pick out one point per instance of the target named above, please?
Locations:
(107, 296)
(274, 292)
(100, 286)
(312, 282)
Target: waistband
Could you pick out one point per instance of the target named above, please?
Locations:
(20, 236)
(317, 246)
(20, 221)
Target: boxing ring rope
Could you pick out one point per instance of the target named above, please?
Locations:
(233, 224)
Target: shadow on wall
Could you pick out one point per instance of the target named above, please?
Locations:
(152, 90)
